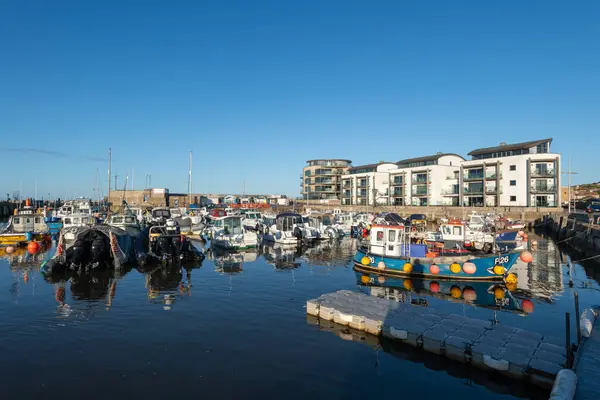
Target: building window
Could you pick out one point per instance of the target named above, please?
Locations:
(513, 198)
(513, 167)
(513, 183)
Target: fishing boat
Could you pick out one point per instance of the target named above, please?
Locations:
(289, 228)
(23, 227)
(390, 250)
(91, 247)
(323, 225)
(73, 221)
(80, 205)
(479, 237)
(128, 222)
(228, 233)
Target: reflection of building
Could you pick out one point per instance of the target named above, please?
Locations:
(321, 179)
(543, 276)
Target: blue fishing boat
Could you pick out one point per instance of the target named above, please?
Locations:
(390, 250)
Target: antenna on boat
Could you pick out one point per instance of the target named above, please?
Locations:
(190, 181)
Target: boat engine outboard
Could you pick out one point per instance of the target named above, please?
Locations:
(99, 249)
(78, 253)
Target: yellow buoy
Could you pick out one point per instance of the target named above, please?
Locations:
(408, 285)
(365, 279)
(498, 292)
(455, 268)
(455, 292)
(499, 270)
(511, 286)
(407, 268)
(511, 278)
(365, 260)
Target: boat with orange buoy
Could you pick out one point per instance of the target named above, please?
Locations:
(391, 250)
(24, 227)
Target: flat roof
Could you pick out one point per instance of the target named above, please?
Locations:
(330, 159)
(427, 158)
(508, 147)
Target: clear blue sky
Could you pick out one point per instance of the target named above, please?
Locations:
(255, 88)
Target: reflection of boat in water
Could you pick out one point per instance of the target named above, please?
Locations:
(227, 262)
(335, 252)
(282, 257)
(490, 294)
(164, 282)
(21, 257)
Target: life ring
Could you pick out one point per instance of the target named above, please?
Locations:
(414, 229)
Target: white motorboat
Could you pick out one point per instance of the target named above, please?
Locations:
(77, 206)
(73, 221)
(228, 233)
(289, 228)
(128, 222)
(323, 224)
(252, 220)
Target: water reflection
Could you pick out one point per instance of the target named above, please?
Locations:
(230, 262)
(492, 295)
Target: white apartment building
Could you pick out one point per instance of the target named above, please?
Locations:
(430, 180)
(521, 174)
(367, 184)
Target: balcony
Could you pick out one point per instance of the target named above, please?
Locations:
(543, 189)
(450, 192)
(397, 193)
(473, 191)
(397, 182)
(419, 192)
(347, 194)
(544, 204)
(452, 177)
(361, 185)
(492, 190)
(347, 185)
(419, 180)
(536, 173)
(472, 177)
(493, 175)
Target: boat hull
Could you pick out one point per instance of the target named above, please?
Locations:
(420, 267)
(18, 239)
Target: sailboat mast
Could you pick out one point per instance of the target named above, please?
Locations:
(109, 165)
(190, 182)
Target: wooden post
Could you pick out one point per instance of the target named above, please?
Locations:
(568, 339)
(577, 317)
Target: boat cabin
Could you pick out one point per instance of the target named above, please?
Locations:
(394, 241)
(27, 221)
(122, 220)
(285, 222)
(78, 220)
(160, 212)
(344, 219)
(318, 221)
(217, 213)
(231, 224)
(453, 230)
(176, 213)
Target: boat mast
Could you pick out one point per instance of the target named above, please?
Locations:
(109, 162)
(190, 181)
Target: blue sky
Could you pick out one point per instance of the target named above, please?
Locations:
(256, 88)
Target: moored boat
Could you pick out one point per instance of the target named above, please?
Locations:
(289, 229)
(390, 251)
(23, 227)
(228, 233)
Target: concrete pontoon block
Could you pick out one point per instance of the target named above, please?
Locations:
(528, 335)
(312, 307)
(358, 322)
(414, 334)
(518, 363)
(430, 317)
(553, 340)
(456, 347)
(519, 349)
(545, 367)
(479, 323)
(433, 339)
(524, 341)
(373, 324)
(500, 328)
(552, 348)
(490, 341)
(453, 320)
(481, 355)
(554, 358)
(470, 333)
(326, 312)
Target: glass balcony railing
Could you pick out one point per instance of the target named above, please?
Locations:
(450, 191)
(419, 180)
(471, 191)
(538, 173)
(543, 189)
(473, 177)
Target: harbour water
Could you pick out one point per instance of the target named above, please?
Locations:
(236, 326)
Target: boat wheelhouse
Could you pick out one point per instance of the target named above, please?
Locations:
(288, 229)
(128, 222)
(23, 227)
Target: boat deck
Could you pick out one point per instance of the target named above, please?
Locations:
(513, 352)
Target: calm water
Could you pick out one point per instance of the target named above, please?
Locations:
(236, 326)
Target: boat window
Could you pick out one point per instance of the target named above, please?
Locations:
(38, 220)
(75, 220)
(17, 220)
(457, 230)
(68, 221)
(379, 236)
(392, 235)
(130, 220)
(27, 220)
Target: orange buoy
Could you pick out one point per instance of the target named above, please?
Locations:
(527, 306)
(434, 287)
(525, 237)
(408, 285)
(33, 247)
(455, 292)
(469, 294)
(434, 269)
(10, 249)
(469, 268)
(365, 279)
(526, 257)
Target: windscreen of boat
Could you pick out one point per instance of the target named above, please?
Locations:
(161, 213)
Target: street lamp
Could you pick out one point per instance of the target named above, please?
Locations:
(569, 182)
